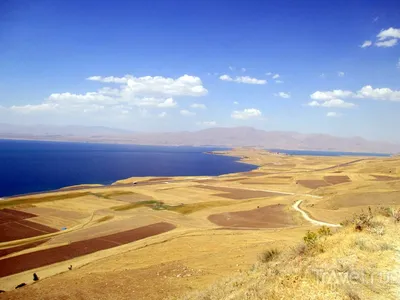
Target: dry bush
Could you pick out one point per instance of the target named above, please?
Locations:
(396, 216)
(348, 267)
(324, 231)
(268, 255)
(385, 211)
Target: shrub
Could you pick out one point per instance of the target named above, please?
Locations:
(324, 231)
(396, 216)
(269, 255)
(385, 211)
(363, 220)
(310, 238)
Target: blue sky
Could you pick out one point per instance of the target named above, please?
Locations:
(168, 65)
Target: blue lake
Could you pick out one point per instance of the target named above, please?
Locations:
(328, 153)
(32, 166)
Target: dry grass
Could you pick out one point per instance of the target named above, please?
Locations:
(35, 200)
(186, 209)
(104, 219)
(111, 194)
(182, 209)
(150, 203)
(348, 264)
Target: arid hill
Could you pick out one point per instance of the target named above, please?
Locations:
(222, 136)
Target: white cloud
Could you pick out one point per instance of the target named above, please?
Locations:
(333, 114)
(276, 76)
(389, 34)
(185, 85)
(162, 114)
(375, 20)
(232, 68)
(318, 95)
(226, 77)
(327, 95)
(387, 43)
(34, 108)
(243, 79)
(246, 114)
(398, 63)
(207, 123)
(338, 103)
(235, 102)
(198, 105)
(167, 103)
(332, 98)
(132, 92)
(250, 80)
(187, 113)
(278, 81)
(340, 74)
(386, 38)
(268, 73)
(378, 93)
(322, 75)
(243, 69)
(366, 44)
(282, 95)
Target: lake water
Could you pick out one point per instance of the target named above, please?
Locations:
(327, 153)
(32, 166)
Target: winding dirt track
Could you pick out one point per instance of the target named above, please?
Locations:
(296, 206)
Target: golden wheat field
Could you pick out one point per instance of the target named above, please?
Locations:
(234, 236)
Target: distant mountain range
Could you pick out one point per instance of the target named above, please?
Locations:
(227, 137)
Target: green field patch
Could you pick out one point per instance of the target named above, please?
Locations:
(186, 209)
(110, 195)
(149, 203)
(182, 208)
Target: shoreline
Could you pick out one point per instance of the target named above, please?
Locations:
(272, 150)
(115, 184)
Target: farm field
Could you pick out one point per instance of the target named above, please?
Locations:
(164, 237)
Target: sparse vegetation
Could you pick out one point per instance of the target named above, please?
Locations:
(148, 203)
(104, 219)
(347, 269)
(36, 199)
(183, 208)
(268, 255)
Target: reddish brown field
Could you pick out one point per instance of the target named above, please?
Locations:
(22, 229)
(336, 179)
(24, 262)
(9, 215)
(14, 226)
(312, 184)
(384, 178)
(272, 216)
(4, 252)
(237, 194)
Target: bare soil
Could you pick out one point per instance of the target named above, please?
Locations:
(312, 184)
(24, 262)
(272, 216)
(384, 178)
(337, 179)
(9, 215)
(22, 229)
(238, 194)
(7, 251)
(14, 226)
